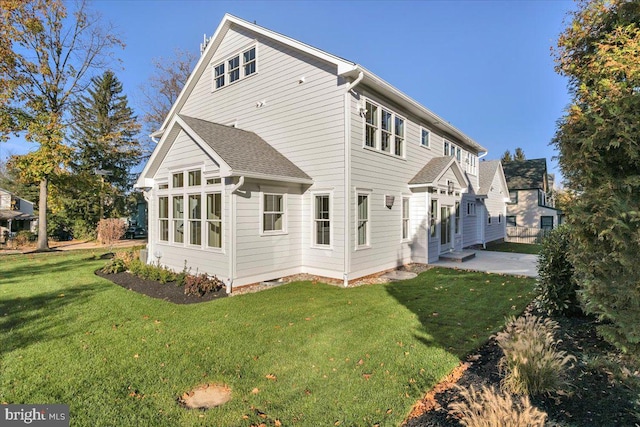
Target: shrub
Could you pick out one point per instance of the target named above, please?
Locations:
(83, 229)
(120, 262)
(201, 284)
(532, 364)
(488, 408)
(182, 276)
(110, 230)
(24, 237)
(135, 267)
(557, 291)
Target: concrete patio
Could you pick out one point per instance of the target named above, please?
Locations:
(497, 262)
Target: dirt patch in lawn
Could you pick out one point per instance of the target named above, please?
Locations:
(206, 396)
(599, 395)
(164, 291)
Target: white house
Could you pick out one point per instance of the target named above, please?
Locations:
(530, 204)
(16, 214)
(279, 158)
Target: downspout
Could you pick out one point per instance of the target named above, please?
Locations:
(232, 235)
(347, 176)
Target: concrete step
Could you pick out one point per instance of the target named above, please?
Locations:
(458, 256)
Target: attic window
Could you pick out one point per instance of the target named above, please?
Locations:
(234, 68)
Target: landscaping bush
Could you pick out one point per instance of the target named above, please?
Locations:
(110, 230)
(201, 284)
(488, 408)
(83, 230)
(532, 364)
(120, 262)
(23, 238)
(556, 288)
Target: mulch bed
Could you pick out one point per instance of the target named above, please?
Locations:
(164, 291)
(595, 398)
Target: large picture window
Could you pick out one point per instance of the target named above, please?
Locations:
(191, 212)
(273, 216)
(363, 219)
(322, 220)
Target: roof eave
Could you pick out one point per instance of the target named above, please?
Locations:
(269, 177)
(406, 101)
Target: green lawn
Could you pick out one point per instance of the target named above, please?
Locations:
(334, 356)
(521, 248)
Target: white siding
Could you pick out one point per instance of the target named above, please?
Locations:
(495, 206)
(186, 154)
(304, 122)
(528, 212)
(469, 222)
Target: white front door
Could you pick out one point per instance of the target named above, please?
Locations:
(446, 230)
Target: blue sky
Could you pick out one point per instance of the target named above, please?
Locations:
(484, 66)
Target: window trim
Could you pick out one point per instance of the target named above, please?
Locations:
(314, 196)
(367, 220)
(508, 221)
(161, 219)
(284, 229)
(552, 221)
(471, 205)
(511, 201)
(207, 220)
(456, 222)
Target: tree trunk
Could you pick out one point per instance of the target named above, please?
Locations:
(43, 240)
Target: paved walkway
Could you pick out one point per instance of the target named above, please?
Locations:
(498, 262)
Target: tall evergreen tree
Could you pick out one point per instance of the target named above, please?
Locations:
(506, 157)
(518, 156)
(104, 135)
(600, 159)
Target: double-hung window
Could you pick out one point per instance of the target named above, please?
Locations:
(371, 124)
(363, 219)
(398, 137)
(195, 219)
(163, 217)
(249, 61)
(385, 140)
(273, 216)
(458, 154)
(218, 75)
(457, 218)
(384, 130)
(424, 138)
(446, 148)
(231, 69)
(471, 208)
(234, 69)
(322, 220)
(405, 218)
(214, 220)
(178, 219)
(433, 218)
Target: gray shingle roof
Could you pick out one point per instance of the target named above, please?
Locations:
(525, 174)
(243, 151)
(431, 171)
(486, 173)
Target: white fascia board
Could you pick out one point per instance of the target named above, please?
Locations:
(343, 65)
(144, 183)
(225, 169)
(405, 101)
(268, 177)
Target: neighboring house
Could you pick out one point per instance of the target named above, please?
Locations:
(16, 214)
(279, 158)
(486, 205)
(530, 204)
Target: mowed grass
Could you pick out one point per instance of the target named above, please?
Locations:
(301, 354)
(520, 248)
